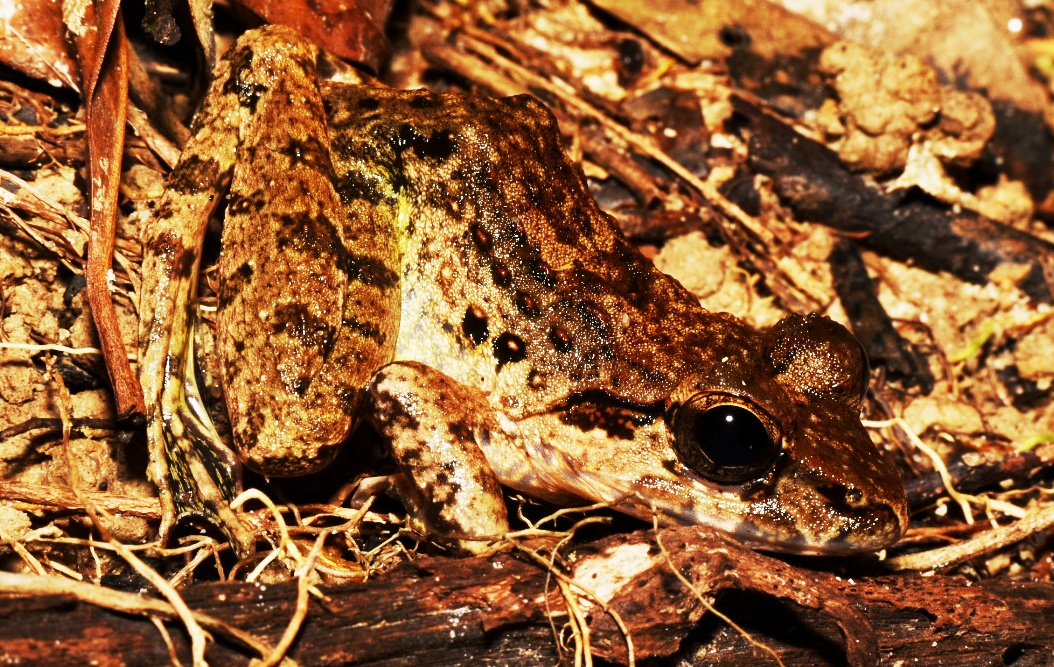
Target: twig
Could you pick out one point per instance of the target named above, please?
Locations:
(1036, 520)
(699, 595)
(119, 601)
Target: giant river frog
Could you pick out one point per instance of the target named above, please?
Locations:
(435, 266)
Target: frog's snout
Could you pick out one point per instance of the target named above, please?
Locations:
(846, 518)
(871, 527)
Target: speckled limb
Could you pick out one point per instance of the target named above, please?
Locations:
(171, 257)
(288, 248)
(453, 494)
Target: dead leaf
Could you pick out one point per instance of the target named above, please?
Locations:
(31, 41)
(102, 53)
(352, 30)
(696, 31)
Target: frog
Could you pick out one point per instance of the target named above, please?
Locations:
(435, 267)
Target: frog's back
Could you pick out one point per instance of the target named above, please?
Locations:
(506, 257)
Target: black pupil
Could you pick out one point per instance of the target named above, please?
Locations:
(732, 436)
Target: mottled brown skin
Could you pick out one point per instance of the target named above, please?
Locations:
(435, 264)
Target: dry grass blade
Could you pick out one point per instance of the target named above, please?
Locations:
(568, 586)
(41, 496)
(64, 406)
(105, 64)
(702, 599)
(303, 590)
(55, 222)
(1035, 521)
(119, 601)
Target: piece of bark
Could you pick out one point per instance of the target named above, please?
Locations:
(493, 611)
(975, 475)
(811, 180)
(870, 323)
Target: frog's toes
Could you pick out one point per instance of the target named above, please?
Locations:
(432, 424)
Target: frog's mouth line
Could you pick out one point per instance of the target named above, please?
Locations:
(605, 399)
(619, 418)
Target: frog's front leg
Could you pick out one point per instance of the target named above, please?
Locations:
(433, 425)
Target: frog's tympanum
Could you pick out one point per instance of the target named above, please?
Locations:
(435, 265)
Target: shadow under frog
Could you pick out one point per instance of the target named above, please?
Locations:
(435, 264)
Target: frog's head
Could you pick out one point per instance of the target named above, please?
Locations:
(761, 438)
(772, 448)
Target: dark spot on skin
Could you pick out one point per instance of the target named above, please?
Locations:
(164, 211)
(474, 325)
(358, 184)
(527, 305)
(560, 339)
(481, 237)
(448, 327)
(617, 422)
(369, 271)
(369, 103)
(301, 385)
(248, 92)
(535, 380)
(618, 417)
(314, 236)
(244, 204)
(194, 175)
(365, 329)
(423, 101)
(837, 495)
(439, 146)
(501, 275)
(298, 322)
(508, 348)
(389, 405)
(169, 250)
(239, 346)
(593, 318)
(412, 455)
(240, 58)
(309, 152)
(462, 431)
(245, 271)
(541, 272)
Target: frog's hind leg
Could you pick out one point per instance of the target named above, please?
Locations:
(293, 271)
(194, 471)
(309, 298)
(433, 425)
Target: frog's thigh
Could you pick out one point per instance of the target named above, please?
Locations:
(309, 297)
(432, 422)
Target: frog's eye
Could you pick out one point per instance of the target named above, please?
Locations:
(724, 439)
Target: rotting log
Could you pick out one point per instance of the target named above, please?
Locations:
(497, 610)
